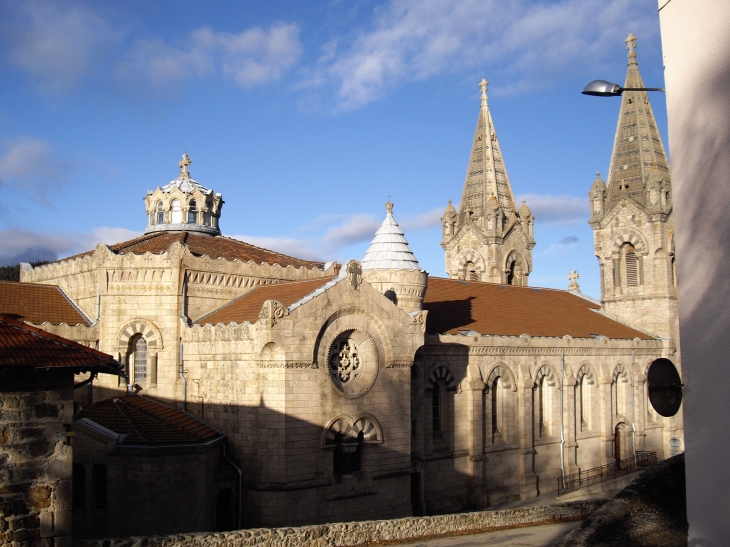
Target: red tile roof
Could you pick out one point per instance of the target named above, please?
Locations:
(248, 306)
(39, 304)
(506, 310)
(145, 421)
(23, 345)
(204, 245)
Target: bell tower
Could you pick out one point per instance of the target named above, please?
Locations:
(488, 239)
(632, 220)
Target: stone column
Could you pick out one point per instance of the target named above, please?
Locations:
(528, 479)
(571, 445)
(606, 423)
(476, 442)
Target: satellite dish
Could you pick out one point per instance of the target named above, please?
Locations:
(665, 387)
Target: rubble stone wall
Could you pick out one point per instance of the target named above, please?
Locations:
(368, 532)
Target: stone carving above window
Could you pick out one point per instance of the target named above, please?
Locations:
(352, 363)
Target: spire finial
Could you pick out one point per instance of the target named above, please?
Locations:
(389, 206)
(483, 86)
(631, 46)
(598, 174)
(573, 277)
(183, 164)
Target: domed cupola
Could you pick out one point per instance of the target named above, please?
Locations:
(183, 204)
(390, 266)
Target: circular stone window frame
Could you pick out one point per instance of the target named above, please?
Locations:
(370, 363)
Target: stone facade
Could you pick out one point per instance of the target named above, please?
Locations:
(632, 218)
(370, 390)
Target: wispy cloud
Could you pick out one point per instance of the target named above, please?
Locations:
(17, 245)
(550, 209)
(59, 44)
(56, 43)
(331, 235)
(32, 166)
(522, 42)
(561, 247)
(249, 58)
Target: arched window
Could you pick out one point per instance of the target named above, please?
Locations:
(436, 408)
(542, 413)
(347, 455)
(511, 273)
(631, 266)
(207, 218)
(139, 358)
(496, 411)
(193, 213)
(160, 213)
(470, 272)
(175, 212)
(583, 404)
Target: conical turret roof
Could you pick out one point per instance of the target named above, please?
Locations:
(486, 174)
(389, 248)
(637, 147)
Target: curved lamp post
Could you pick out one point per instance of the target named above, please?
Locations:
(602, 88)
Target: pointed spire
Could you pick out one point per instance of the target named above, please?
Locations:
(637, 147)
(389, 248)
(486, 174)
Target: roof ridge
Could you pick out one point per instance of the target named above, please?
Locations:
(124, 412)
(271, 250)
(73, 304)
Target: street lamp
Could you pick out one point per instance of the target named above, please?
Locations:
(602, 88)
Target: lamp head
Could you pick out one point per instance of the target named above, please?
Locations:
(602, 88)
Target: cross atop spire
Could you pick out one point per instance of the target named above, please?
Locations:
(631, 46)
(183, 164)
(483, 86)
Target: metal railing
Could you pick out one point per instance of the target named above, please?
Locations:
(597, 475)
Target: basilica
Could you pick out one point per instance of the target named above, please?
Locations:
(371, 389)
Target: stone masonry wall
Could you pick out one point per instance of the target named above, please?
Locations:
(35, 464)
(369, 532)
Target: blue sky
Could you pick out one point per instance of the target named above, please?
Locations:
(307, 115)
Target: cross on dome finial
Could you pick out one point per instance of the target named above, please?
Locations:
(631, 45)
(389, 206)
(483, 86)
(598, 174)
(183, 164)
(573, 277)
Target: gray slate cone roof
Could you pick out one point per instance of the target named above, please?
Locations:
(389, 248)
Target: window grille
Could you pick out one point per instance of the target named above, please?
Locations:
(140, 360)
(160, 213)
(632, 267)
(193, 213)
(436, 408)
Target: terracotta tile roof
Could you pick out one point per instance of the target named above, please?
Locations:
(23, 345)
(506, 310)
(248, 306)
(39, 304)
(145, 421)
(200, 245)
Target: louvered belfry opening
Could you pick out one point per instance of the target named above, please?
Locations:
(631, 262)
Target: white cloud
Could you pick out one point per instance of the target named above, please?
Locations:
(252, 57)
(56, 43)
(424, 221)
(522, 43)
(551, 209)
(18, 245)
(32, 166)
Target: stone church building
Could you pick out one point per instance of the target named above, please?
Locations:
(370, 389)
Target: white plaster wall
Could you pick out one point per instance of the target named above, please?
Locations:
(696, 44)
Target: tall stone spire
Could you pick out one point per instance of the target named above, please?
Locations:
(488, 239)
(632, 220)
(638, 151)
(486, 174)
